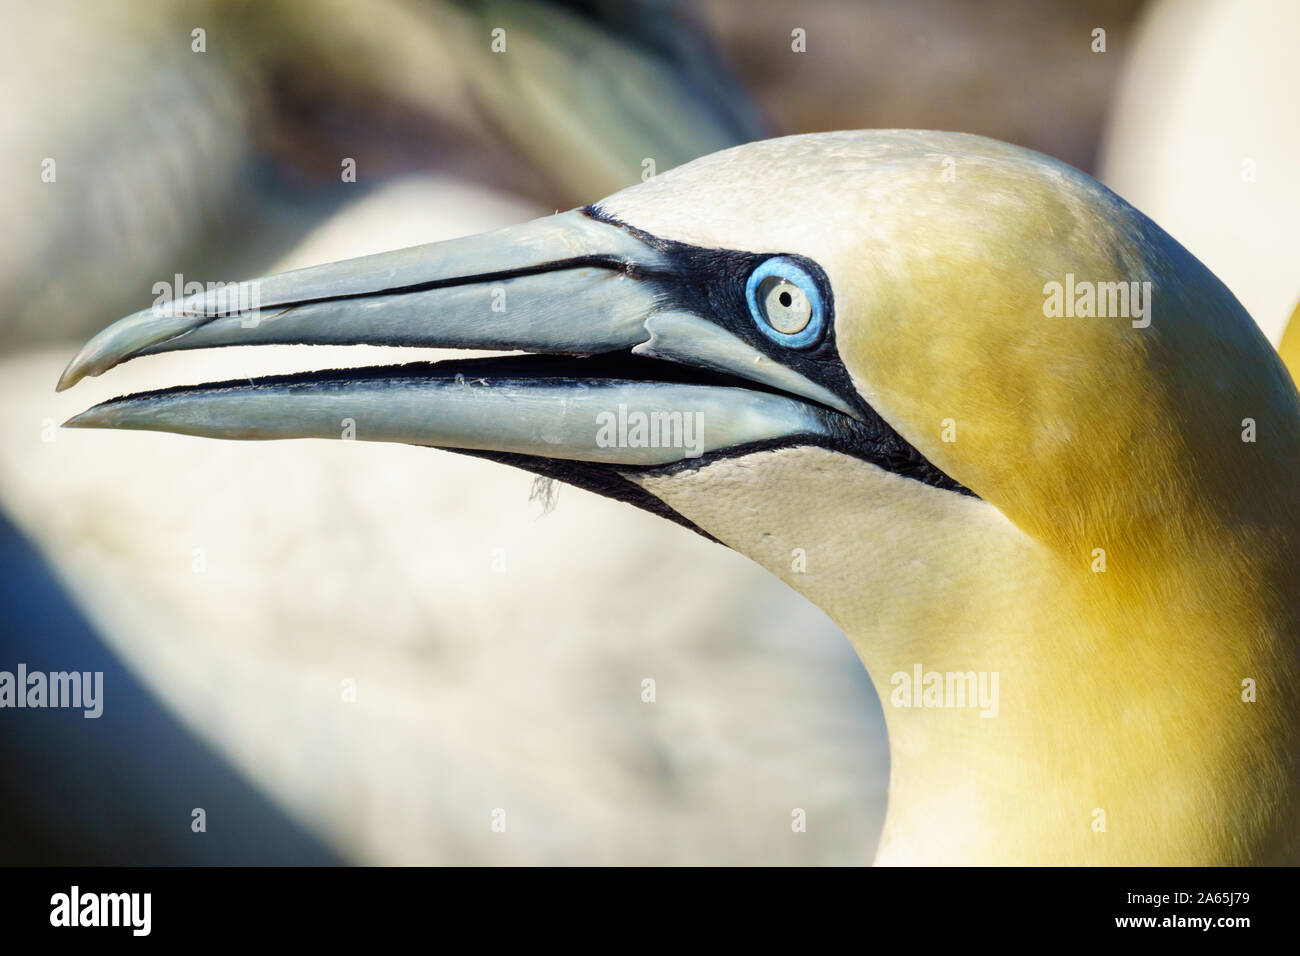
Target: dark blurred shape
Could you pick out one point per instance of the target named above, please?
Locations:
(120, 788)
(559, 100)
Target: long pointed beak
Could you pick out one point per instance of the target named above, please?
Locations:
(565, 286)
(528, 287)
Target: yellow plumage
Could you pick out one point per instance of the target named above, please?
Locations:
(1289, 347)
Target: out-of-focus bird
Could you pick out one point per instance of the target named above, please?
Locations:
(207, 137)
(1204, 135)
(119, 147)
(558, 100)
(842, 361)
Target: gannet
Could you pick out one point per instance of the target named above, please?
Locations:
(890, 417)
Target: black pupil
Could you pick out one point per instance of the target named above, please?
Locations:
(784, 299)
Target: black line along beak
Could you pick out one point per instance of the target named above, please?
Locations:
(622, 373)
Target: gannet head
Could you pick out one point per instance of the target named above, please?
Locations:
(871, 362)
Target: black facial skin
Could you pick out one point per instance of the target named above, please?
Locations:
(711, 283)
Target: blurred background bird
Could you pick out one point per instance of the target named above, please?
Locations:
(1204, 137)
(360, 658)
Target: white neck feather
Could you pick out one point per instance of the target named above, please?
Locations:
(1106, 747)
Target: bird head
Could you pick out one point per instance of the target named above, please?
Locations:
(899, 315)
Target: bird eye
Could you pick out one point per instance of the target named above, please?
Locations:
(784, 302)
